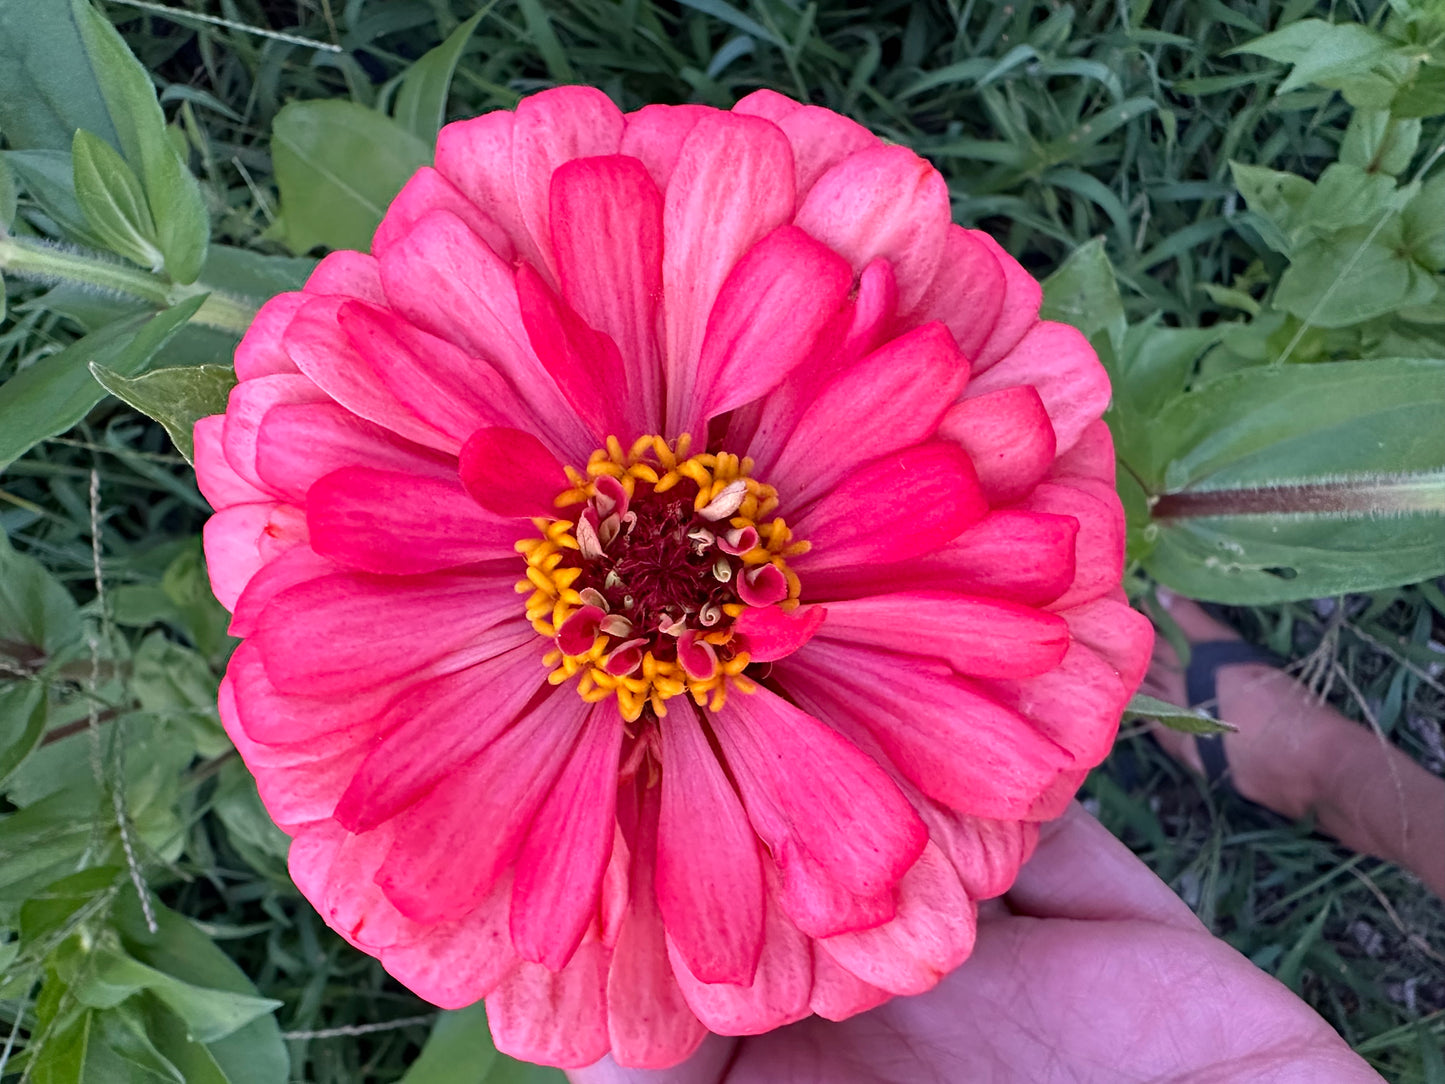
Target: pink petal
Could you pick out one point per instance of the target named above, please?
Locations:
(655, 135)
(968, 292)
(947, 737)
(607, 237)
(553, 128)
(584, 363)
(1058, 361)
(1117, 633)
(327, 355)
(733, 185)
(1024, 557)
(442, 277)
(556, 1018)
(1099, 564)
(890, 400)
(476, 156)
(240, 539)
(297, 444)
(296, 565)
(399, 524)
(766, 320)
(986, 854)
(768, 104)
(895, 508)
(347, 274)
(932, 934)
(247, 404)
(561, 862)
(1008, 436)
(429, 191)
(1018, 312)
(433, 727)
(826, 812)
(333, 870)
(511, 473)
(820, 139)
(774, 633)
(357, 631)
(458, 838)
(1091, 457)
(455, 964)
(886, 202)
(650, 1025)
(709, 878)
(976, 636)
(218, 481)
(837, 992)
(777, 995)
(262, 351)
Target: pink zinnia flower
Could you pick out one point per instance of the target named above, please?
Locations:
(677, 572)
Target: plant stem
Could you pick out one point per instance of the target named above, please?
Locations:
(47, 262)
(1368, 495)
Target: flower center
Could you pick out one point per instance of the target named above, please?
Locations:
(641, 577)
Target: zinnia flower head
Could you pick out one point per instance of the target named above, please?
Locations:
(677, 569)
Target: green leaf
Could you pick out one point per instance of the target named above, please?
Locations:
(52, 395)
(1353, 277)
(1346, 196)
(177, 398)
(1424, 96)
(24, 709)
(421, 100)
(7, 202)
(459, 1050)
(1376, 142)
(338, 165)
(1276, 196)
(173, 195)
(1174, 717)
(111, 198)
(47, 88)
(35, 608)
(1340, 56)
(1084, 293)
(1422, 224)
(48, 178)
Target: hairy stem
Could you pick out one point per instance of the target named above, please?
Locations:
(1348, 497)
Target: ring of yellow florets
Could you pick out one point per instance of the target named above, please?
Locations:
(654, 554)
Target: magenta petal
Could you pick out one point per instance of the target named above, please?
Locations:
(1008, 436)
(398, 524)
(346, 274)
(768, 104)
(826, 812)
(607, 235)
(889, 400)
(511, 473)
(1100, 544)
(556, 1018)
(710, 893)
(296, 565)
(773, 633)
(247, 405)
(895, 508)
(976, 636)
(240, 539)
(732, 186)
(560, 864)
(262, 351)
(968, 293)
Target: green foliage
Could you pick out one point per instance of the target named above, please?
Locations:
(177, 398)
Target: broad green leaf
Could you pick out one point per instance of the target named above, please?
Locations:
(111, 198)
(43, 840)
(1275, 195)
(7, 198)
(23, 713)
(47, 87)
(48, 178)
(36, 610)
(1340, 56)
(338, 165)
(1353, 277)
(1083, 292)
(1174, 717)
(1424, 96)
(172, 193)
(1376, 142)
(122, 1031)
(196, 1063)
(421, 100)
(1422, 224)
(1347, 196)
(177, 398)
(50, 396)
(459, 1050)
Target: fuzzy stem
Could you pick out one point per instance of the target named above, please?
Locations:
(1349, 497)
(46, 262)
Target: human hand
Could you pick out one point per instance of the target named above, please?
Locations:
(1089, 969)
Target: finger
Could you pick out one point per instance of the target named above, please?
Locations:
(1081, 871)
(704, 1067)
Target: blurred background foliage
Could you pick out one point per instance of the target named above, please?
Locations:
(1239, 203)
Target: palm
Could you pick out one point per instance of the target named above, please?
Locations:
(1094, 971)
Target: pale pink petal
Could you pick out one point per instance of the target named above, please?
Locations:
(968, 293)
(334, 871)
(457, 963)
(1099, 564)
(768, 104)
(607, 237)
(429, 191)
(820, 139)
(296, 565)
(553, 128)
(1008, 436)
(248, 403)
(556, 1018)
(262, 351)
(356, 631)
(347, 274)
(511, 473)
(400, 524)
(986, 854)
(772, 633)
(709, 878)
(240, 539)
(1117, 633)
(889, 400)
(826, 811)
(217, 479)
(476, 156)
(898, 507)
(1060, 364)
(837, 992)
(733, 185)
(1091, 458)
(561, 862)
(888, 202)
(1018, 312)
(442, 864)
(655, 135)
(932, 934)
(767, 319)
